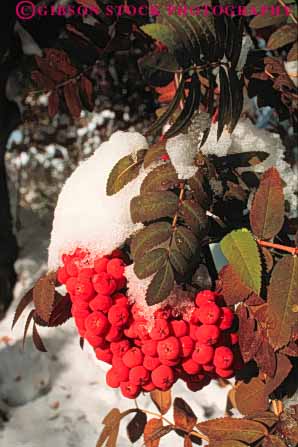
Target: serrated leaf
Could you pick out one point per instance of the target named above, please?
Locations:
(284, 367)
(178, 261)
(233, 429)
(161, 285)
(184, 417)
(61, 311)
(149, 238)
(44, 296)
(241, 250)
(136, 426)
(236, 89)
(251, 397)
(162, 33)
(152, 427)
(262, 21)
(282, 301)
(268, 208)
(125, 170)
(194, 216)
(292, 56)
(162, 400)
(266, 358)
(273, 441)
(249, 339)
(150, 262)
(153, 206)
(72, 99)
(111, 429)
(25, 301)
(37, 340)
(27, 324)
(283, 36)
(198, 186)
(185, 242)
(154, 153)
(225, 101)
(160, 179)
(266, 417)
(231, 286)
(227, 443)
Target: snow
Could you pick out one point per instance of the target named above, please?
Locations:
(182, 154)
(85, 216)
(61, 396)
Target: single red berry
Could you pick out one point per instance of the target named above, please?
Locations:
(120, 299)
(118, 315)
(112, 379)
(209, 313)
(104, 283)
(119, 348)
(169, 348)
(149, 347)
(208, 334)
(101, 302)
(161, 330)
(195, 317)
(97, 323)
(86, 273)
(141, 329)
(104, 354)
(151, 363)
(133, 357)
(80, 313)
(94, 340)
(193, 331)
(179, 328)
(62, 275)
(206, 296)
(190, 366)
(163, 377)
(187, 346)
(208, 367)
(223, 357)
(225, 373)
(149, 387)
(136, 312)
(84, 289)
(100, 264)
(234, 338)
(139, 375)
(129, 390)
(203, 354)
(71, 285)
(130, 331)
(114, 334)
(72, 267)
(115, 268)
(226, 319)
(121, 370)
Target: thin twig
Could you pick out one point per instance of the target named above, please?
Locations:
(281, 2)
(292, 250)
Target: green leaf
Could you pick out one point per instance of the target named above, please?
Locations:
(283, 301)
(150, 237)
(153, 206)
(178, 261)
(241, 250)
(185, 242)
(150, 262)
(160, 179)
(233, 429)
(268, 207)
(161, 285)
(162, 33)
(125, 170)
(194, 216)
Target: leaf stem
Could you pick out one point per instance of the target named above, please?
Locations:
(282, 3)
(181, 195)
(292, 250)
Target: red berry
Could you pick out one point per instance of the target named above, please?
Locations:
(120, 299)
(208, 368)
(104, 354)
(163, 377)
(223, 357)
(190, 366)
(62, 275)
(148, 387)
(133, 357)
(225, 373)
(169, 348)
(195, 317)
(118, 315)
(97, 323)
(79, 306)
(72, 267)
(206, 296)
(226, 319)
(114, 334)
(203, 354)
(149, 347)
(193, 331)
(179, 328)
(82, 314)
(139, 375)
(168, 362)
(129, 390)
(121, 283)
(130, 331)
(94, 340)
(209, 313)
(234, 338)
(161, 330)
(208, 334)
(187, 346)
(115, 268)
(84, 289)
(112, 379)
(119, 348)
(104, 283)
(136, 312)
(121, 370)
(163, 314)
(100, 264)
(198, 385)
(71, 285)
(151, 363)
(101, 302)
(80, 253)
(141, 329)
(86, 273)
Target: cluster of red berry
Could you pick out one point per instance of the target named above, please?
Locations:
(195, 351)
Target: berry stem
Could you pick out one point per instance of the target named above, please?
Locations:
(292, 250)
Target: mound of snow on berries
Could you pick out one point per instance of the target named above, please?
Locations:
(85, 216)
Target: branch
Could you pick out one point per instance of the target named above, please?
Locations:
(292, 250)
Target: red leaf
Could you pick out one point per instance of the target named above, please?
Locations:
(42, 81)
(72, 99)
(61, 311)
(60, 59)
(231, 286)
(28, 321)
(249, 340)
(25, 301)
(37, 340)
(44, 296)
(284, 366)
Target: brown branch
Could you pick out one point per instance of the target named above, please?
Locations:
(281, 2)
(292, 250)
